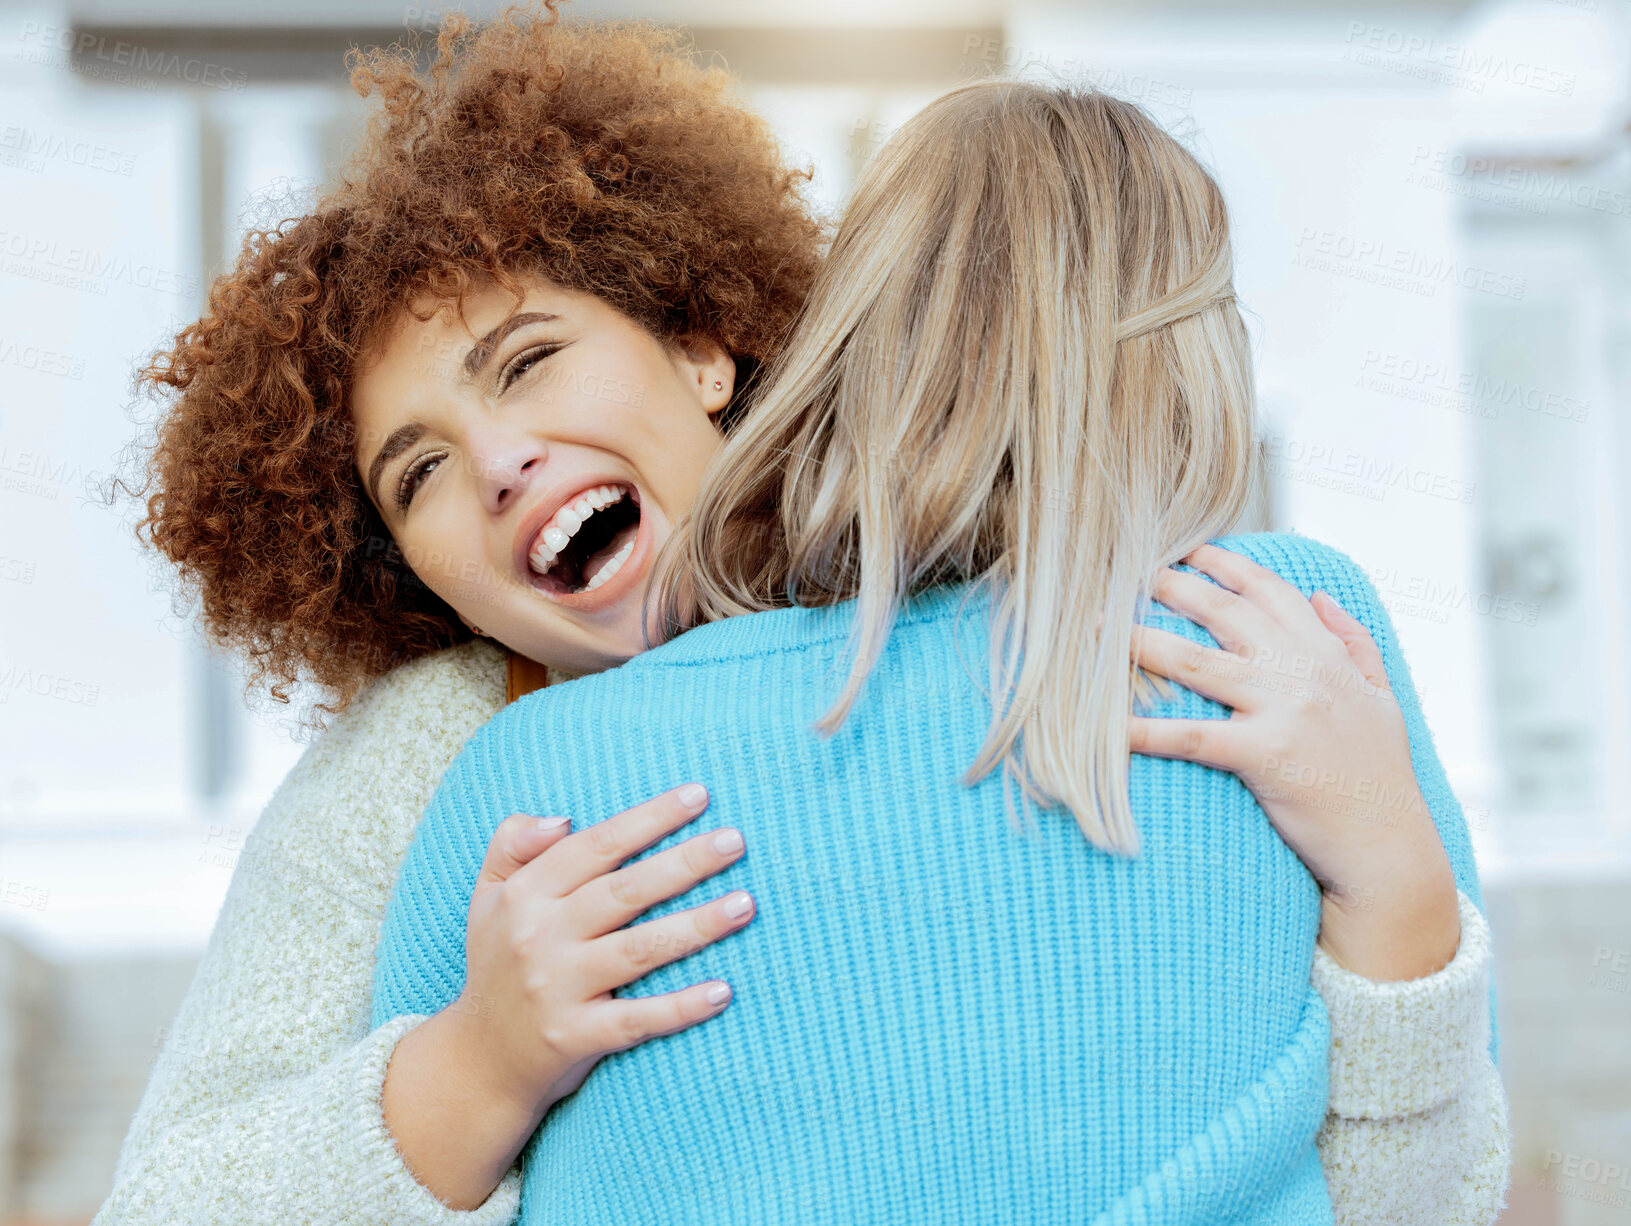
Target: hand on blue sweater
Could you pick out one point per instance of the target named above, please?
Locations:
(547, 940)
(1317, 735)
(546, 944)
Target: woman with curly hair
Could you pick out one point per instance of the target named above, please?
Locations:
(596, 158)
(619, 187)
(471, 395)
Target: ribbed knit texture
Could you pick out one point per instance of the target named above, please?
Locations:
(937, 1016)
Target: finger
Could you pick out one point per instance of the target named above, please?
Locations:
(603, 846)
(519, 840)
(613, 899)
(1211, 742)
(1258, 585)
(625, 955)
(1214, 674)
(1362, 649)
(1234, 621)
(626, 1021)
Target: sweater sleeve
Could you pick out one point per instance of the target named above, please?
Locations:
(263, 1105)
(420, 965)
(1406, 1140)
(1417, 1129)
(1308, 565)
(1345, 581)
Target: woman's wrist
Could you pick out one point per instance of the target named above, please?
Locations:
(1401, 923)
(458, 1123)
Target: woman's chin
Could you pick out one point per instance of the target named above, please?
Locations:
(607, 648)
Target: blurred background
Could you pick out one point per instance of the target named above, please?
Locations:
(1432, 213)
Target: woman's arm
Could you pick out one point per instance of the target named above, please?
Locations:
(1327, 731)
(1413, 1089)
(264, 1104)
(511, 935)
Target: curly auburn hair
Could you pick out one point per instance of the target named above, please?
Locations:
(599, 156)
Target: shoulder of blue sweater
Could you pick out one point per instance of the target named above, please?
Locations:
(1292, 551)
(1307, 564)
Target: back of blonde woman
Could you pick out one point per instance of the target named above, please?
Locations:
(1020, 387)
(1023, 364)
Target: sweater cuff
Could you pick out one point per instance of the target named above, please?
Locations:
(1404, 1047)
(401, 1197)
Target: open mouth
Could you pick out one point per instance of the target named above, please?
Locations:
(588, 540)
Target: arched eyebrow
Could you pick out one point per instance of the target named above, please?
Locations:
(482, 351)
(480, 354)
(398, 441)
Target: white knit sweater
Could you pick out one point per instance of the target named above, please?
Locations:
(264, 1104)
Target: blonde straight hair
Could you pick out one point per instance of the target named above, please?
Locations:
(1021, 364)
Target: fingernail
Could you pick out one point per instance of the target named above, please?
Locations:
(727, 841)
(548, 825)
(692, 795)
(736, 906)
(718, 994)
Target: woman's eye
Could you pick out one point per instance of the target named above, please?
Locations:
(523, 362)
(412, 477)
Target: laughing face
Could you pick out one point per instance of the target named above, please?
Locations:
(530, 461)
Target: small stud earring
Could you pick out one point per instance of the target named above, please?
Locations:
(478, 632)
(718, 384)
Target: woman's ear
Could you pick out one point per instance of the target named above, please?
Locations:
(704, 363)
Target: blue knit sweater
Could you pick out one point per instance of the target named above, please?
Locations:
(939, 1016)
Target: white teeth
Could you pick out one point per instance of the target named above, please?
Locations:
(565, 526)
(613, 565)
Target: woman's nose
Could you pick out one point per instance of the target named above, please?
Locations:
(504, 472)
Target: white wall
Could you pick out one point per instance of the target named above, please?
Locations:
(96, 265)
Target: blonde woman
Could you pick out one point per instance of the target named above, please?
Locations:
(1014, 401)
